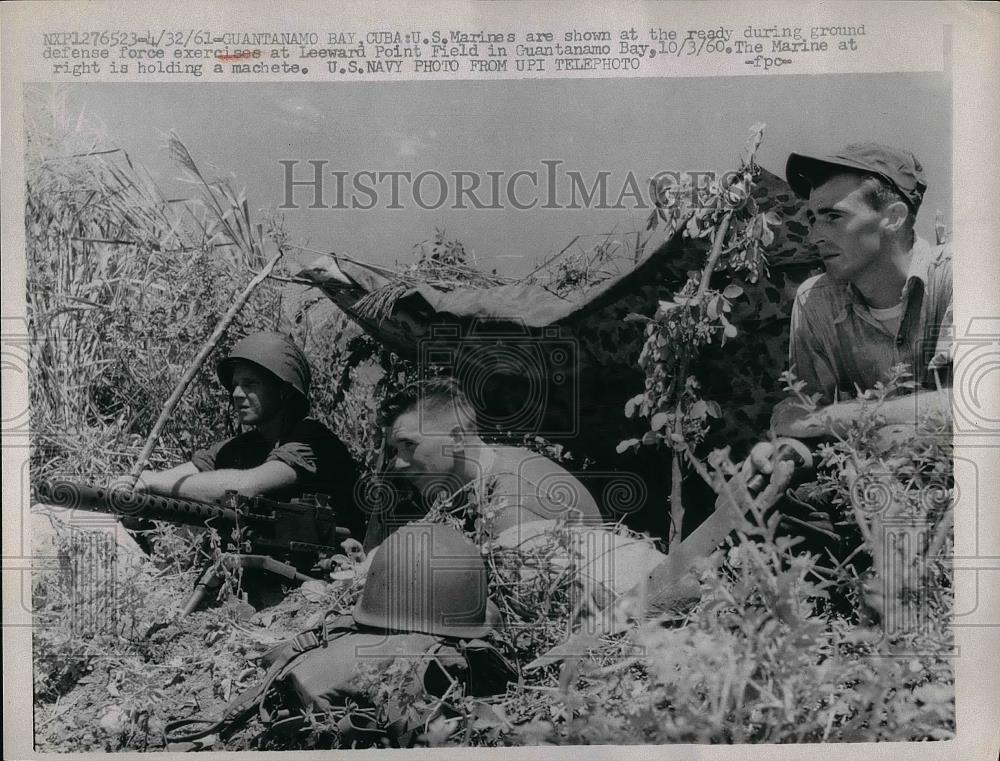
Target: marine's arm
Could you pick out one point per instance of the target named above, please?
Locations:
(811, 365)
(163, 481)
(834, 419)
(186, 482)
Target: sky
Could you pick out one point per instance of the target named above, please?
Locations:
(621, 126)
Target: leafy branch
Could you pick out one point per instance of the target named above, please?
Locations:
(726, 213)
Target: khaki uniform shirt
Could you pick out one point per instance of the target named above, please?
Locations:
(838, 347)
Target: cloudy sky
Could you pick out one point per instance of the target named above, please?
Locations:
(637, 126)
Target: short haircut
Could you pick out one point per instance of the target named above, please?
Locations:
(877, 193)
(435, 394)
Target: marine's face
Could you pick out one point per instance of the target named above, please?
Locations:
(423, 452)
(256, 394)
(846, 230)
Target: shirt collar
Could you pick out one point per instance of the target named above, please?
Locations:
(921, 258)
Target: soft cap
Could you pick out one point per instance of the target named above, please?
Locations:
(896, 166)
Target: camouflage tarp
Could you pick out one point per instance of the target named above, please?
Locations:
(562, 367)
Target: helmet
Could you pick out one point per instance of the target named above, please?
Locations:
(276, 353)
(427, 578)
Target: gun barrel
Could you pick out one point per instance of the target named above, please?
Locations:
(125, 502)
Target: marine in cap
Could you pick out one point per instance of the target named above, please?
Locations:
(885, 298)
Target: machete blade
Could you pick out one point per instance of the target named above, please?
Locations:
(666, 585)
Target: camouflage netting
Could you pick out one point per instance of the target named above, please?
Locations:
(563, 366)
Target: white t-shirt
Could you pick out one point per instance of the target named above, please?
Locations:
(890, 317)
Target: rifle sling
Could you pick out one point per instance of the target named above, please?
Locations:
(239, 710)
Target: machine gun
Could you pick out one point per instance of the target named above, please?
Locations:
(284, 538)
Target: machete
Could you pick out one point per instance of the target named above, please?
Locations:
(671, 581)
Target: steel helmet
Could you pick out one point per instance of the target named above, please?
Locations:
(276, 353)
(427, 578)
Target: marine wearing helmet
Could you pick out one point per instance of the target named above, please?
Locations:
(281, 453)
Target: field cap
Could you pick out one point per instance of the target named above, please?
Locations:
(896, 166)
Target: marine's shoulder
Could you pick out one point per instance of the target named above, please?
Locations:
(507, 459)
(541, 485)
(311, 426)
(933, 266)
(316, 434)
(932, 255)
(819, 292)
(811, 283)
(940, 258)
(241, 439)
(524, 461)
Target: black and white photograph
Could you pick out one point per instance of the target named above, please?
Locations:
(466, 412)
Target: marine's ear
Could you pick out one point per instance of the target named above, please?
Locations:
(895, 216)
(459, 438)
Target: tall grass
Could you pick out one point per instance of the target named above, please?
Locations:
(123, 286)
